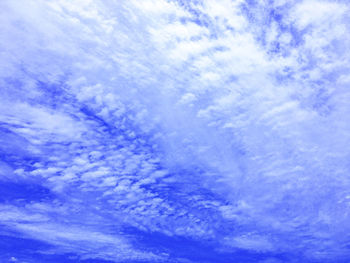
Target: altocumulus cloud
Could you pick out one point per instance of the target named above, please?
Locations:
(174, 131)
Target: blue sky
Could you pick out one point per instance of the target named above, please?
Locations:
(174, 131)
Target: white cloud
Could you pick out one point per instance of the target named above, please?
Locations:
(317, 12)
(135, 111)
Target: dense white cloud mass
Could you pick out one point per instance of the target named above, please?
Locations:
(174, 131)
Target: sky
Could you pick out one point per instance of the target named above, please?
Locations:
(177, 131)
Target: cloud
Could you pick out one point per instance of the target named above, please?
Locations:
(222, 123)
(88, 243)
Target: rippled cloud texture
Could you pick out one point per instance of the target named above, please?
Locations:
(195, 131)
